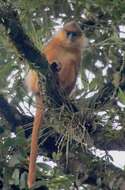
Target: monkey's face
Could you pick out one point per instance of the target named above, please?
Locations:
(72, 36)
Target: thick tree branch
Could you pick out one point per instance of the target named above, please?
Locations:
(87, 168)
(94, 171)
(102, 138)
(13, 116)
(105, 139)
(10, 20)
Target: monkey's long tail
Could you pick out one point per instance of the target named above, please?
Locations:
(34, 140)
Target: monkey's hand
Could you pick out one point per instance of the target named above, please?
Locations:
(55, 66)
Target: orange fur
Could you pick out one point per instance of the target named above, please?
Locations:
(34, 142)
(66, 50)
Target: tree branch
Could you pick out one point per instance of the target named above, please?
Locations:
(92, 170)
(10, 20)
(14, 117)
(105, 139)
(85, 166)
(104, 95)
(102, 138)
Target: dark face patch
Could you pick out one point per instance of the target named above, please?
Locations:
(72, 35)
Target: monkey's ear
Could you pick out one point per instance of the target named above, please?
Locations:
(55, 66)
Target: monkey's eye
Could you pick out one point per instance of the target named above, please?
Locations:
(72, 35)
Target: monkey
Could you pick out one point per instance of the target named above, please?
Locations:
(64, 52)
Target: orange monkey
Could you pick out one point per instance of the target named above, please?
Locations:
(66, 49)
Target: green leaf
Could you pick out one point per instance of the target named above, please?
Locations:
(45, 166)
(15, 176)
(23, 180)
(93, 84)
(121, 96)
(1, 130)
(13, 161)
(57, 156)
